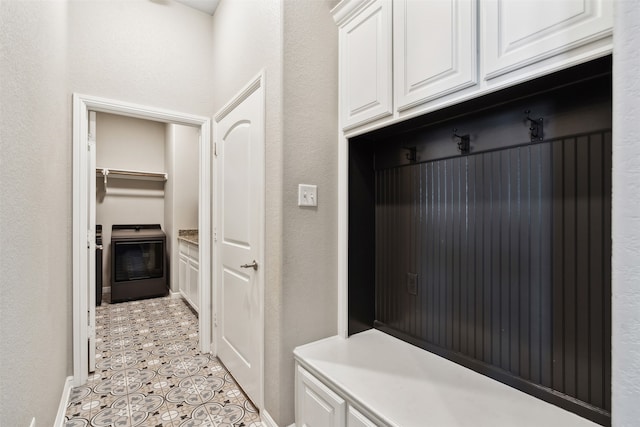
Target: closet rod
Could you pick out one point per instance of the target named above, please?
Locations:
(131, 173)
(122, 173)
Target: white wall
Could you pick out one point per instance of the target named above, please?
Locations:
(155, 53)
(247, 38)
(35, 211)
(625, 340)
(162, 54)
(310, 96)
(182, 188)
(131, 144)
(296, 43)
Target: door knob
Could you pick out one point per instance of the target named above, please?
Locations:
(253, 265)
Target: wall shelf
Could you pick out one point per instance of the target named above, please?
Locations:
(130, 174)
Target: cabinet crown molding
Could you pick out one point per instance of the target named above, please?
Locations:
(346, 9)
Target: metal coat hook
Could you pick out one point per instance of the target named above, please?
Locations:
(536, 130)
(464, 145)
(411, 155)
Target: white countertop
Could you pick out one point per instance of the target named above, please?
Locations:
(406, 386)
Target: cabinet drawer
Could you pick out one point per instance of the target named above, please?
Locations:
(194, 253)
(183, 248)
(316, 404)
(356, 418)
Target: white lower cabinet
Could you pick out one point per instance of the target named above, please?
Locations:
(188, 276)
(192, 274)
(356, 418)
(317, 405)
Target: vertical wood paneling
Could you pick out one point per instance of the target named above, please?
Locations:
(583, 319)
(545, 231)
(557, 247)
(569, 265)
(486, 259)
(512, 253)
(595, 271)
(523, 269)
(495, 258)
(606, 292)
(535, 262)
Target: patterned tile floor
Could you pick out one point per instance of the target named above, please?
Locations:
(149, 373)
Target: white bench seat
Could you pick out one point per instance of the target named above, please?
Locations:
(401, 385)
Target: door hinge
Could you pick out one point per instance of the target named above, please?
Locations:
(215, 234)
(215, 320)
(215, 149)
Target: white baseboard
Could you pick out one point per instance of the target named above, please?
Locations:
(64, 401)
(266, 419)
(175, 294)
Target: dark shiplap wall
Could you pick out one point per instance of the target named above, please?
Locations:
(511, 250)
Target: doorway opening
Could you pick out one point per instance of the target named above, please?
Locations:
(84, 245)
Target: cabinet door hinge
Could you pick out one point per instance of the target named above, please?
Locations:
(215, 149)
(215, 234)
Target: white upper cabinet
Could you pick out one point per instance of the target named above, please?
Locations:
(402, 58)
(365, 62)
(435, 49)
(518, 33)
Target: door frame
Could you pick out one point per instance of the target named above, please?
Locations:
(254, 84)
(81, 106)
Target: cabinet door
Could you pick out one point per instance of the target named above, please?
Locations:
(365, 65)
(516, 34)
(435, 49)
(183, 284)
(316, 404)
(356, 418)
(193, 278)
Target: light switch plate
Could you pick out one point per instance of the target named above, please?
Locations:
(307, 195)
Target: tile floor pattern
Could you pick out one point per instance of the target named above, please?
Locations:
(149, 373)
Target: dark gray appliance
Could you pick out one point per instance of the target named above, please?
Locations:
(138, 262)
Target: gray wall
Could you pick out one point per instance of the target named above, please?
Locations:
(49, 50)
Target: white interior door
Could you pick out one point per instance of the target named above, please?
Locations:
(91, 242)
(239, 133)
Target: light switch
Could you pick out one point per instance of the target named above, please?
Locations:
(307, 195)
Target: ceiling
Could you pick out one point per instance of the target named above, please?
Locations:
(206, 6)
